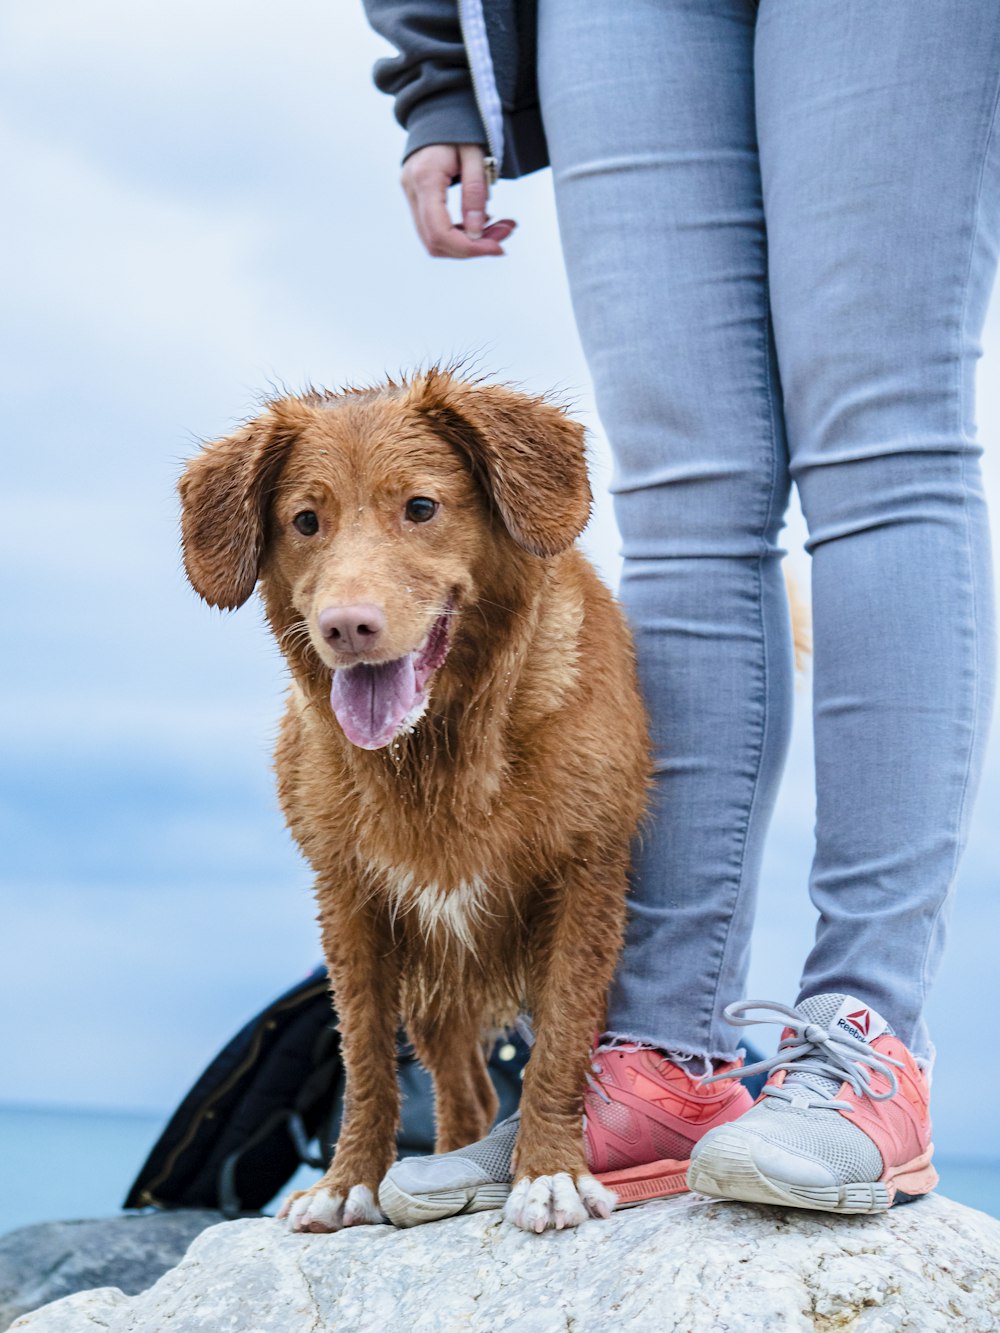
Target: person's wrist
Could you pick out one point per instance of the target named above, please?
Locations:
(450, 117)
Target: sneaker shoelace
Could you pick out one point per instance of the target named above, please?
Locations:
(813, 1049)
(593, 1079)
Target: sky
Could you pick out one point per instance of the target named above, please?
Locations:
(203, 203)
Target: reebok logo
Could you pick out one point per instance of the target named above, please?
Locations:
(859, 1021)
(853, 1027)
(862, 1020)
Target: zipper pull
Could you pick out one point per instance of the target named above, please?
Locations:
(490, 163)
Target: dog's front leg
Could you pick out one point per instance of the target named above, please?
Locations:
(365, 970)
(577, 948)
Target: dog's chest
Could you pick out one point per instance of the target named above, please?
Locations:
(462, 908)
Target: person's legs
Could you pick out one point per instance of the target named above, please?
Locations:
(649, 116)
(880, 158)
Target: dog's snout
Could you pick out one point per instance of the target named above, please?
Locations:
(352, 629)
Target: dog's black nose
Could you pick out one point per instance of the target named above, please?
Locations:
(352, 629)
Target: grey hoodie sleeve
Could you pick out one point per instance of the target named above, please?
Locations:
(430, 77)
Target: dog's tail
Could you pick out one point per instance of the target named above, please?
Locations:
(801, 622)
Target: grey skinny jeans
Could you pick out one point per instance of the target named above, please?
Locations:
(780, 224)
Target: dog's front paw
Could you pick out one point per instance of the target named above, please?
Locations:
(322, 1209)
(556, 1201)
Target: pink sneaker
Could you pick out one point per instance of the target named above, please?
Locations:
(643, 1114)
(842, 1126)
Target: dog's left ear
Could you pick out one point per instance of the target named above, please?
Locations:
(224, 493)
(529, 454)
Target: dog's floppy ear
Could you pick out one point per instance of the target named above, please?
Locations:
(224, 496)
(529, 454)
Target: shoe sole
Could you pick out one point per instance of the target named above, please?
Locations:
(411, 1210)
(731, 1173)
(632, 1186)
(638, 1184)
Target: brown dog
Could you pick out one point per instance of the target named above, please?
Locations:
(464, 756)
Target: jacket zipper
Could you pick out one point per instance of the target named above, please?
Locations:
(484, 88)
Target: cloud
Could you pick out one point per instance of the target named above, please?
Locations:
(119, 998)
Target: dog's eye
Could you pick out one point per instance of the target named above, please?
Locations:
(307, 523)
(420, 509)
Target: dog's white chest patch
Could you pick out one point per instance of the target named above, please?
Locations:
(459, 909)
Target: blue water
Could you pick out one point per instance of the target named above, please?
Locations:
(58, 1163)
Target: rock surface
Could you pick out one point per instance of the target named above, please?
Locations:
(685, 1264)
(51, 1259)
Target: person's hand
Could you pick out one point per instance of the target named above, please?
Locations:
(427, 173)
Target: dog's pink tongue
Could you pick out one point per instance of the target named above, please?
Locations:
(371, 701)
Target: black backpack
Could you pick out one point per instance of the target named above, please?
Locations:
(272, 1099)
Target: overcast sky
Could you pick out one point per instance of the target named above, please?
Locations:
(202, 200)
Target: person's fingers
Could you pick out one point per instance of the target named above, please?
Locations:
(427, 175)
(499, 230)
(444, 239)
(475, 190)
(440, 235)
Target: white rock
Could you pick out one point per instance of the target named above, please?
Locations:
(686, 1264)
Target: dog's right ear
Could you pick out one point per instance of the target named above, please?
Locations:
(224, 496)
(528, 453)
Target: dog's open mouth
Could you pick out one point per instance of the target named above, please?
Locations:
(374, 703)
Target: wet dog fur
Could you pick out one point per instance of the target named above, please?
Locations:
(475, 864)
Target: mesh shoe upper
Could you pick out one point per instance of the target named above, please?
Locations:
(806, 1147)
(487, 1160)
